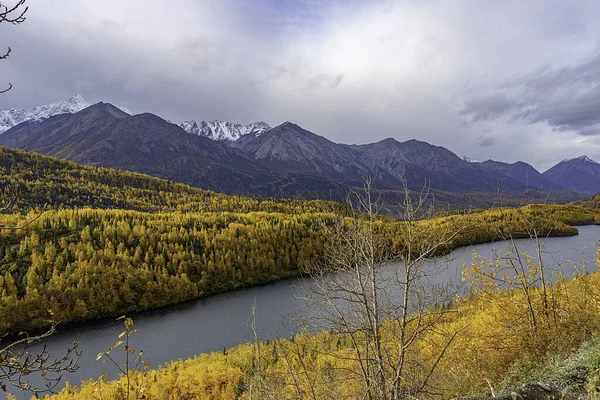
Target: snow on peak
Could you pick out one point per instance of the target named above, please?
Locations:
(583, 158)
(223, 130)
(13, 116)
(587, 159)
(470, 160)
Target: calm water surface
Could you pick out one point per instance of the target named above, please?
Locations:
(220, 321)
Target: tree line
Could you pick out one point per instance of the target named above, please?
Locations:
(89, 263)
(85, 263)
(42, 180)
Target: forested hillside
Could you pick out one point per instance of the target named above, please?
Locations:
(112, 242)
(86, 263)
(90, 263)
(40, 180)
(590, 202)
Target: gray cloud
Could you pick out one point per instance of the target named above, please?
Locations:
(566, 98)
(476, 77)
(485, 141)
(488, 107)
(323, 81)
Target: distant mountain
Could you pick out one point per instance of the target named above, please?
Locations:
(106, 136)
(13, 116)
(292, 149)
(103, 135)
(416, 163)
(524, 174)
(222, 130)
(285, 161)
(581, 174)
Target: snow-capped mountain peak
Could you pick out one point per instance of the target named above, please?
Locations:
(13, 116)
(587, 159)
(583, 158)
(470, 160)
(223, 130)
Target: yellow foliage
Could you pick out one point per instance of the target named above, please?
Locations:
(493, 335)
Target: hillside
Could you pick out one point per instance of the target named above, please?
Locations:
(486, 340)
(523, 173)
(590, 202)
(152, 259)
(41, 180)
(286, 161)
(176, 238)
(149, 243)
(581, 174)
(416, 162)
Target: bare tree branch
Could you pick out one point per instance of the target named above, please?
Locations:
(12, 15)
(366, 292)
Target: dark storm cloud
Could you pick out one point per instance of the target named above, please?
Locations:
(566, 98)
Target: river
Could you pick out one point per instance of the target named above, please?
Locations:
(221, 321)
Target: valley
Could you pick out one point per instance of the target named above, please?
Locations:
(223, 321)
(123, 214)
(299, 200)
(288, 161)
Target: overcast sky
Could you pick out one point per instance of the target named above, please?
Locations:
(507, 80)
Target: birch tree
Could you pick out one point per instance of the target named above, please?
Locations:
(377, 291)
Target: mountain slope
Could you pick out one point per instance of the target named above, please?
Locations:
(522, 173)
(44, 180)
(418, 163)
(286, 161)
(391, 163)
(106, 136)
(290, 148)
(581, 174)
(13, 116)
(103, 135)
(222, 130)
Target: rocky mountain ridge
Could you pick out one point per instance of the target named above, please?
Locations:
(581, 174)
(283, 161)
(223, 130)
(14, 116)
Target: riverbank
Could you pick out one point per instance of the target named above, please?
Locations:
(90, 264)
(495, 343)
(222, 321)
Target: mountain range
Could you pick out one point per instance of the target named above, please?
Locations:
(104, 135)
(222, 130)
(285, 161)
